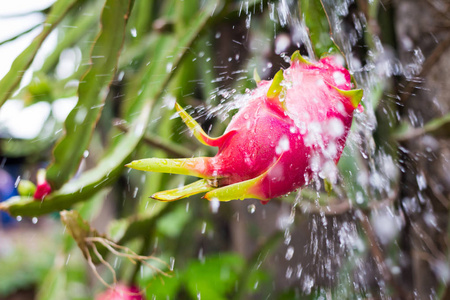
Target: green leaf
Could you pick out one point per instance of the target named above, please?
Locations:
(86, 20)
(110, 167)
(214, 278)
(161, 288)
(174, 222)
(54, 284)
(81, 121)
(170, 51)
(23, 265)
(316, 20)
(142, 18)
(9, 83)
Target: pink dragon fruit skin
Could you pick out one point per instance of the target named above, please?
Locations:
(290, 127)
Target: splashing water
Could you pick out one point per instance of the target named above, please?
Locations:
(335, 251)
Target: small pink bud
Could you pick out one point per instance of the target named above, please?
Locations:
(43, 187)
(121, 292)
(42, 190)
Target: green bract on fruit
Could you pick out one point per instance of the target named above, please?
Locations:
(291, 128)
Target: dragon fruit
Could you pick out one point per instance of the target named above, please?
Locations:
(290, 130)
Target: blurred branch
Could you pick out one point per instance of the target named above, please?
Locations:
(377, 253)
(329, 210)
(438, 194)
(436, 126)
(427, 66)
(438, 8)
(335, 206)
(428, 241)
(173, 149)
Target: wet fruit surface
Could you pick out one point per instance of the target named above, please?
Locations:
(291, 129)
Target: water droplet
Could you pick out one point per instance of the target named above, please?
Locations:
(289, 253)
(169, 67)
(172, 263)
(248, 21)
(299, 271)
(251, 208)
(287, 237)
(17, 181)
(203, 227)
(34, 220)
(308, 283)
(283, 145)
(282, 43)
(133, 32)
(289, 272)
(339, 78)
(214, 204)
(19, 218)
(201, 257)
(421, 181)
(81, 115)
